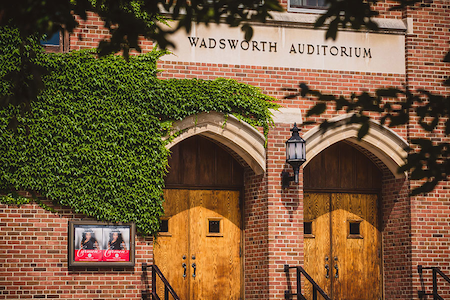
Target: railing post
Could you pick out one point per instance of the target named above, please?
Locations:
(166, 293)
(144, 293)
(287, 296)
(153, 282)
(421, 292)
(435, 293)
(287, 293)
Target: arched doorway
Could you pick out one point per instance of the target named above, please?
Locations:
(199, 247)
(342, 239)
(381, 141)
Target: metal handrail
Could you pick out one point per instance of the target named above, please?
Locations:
(435, 272)
(167, 287)
(316, 288)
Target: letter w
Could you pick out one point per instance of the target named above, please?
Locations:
(233, 43)
(193, 40)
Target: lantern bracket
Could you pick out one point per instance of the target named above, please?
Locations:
(286, 179)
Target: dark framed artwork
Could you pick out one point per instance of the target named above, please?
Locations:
(96, 244)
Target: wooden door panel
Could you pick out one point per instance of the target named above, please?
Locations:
(348, 252)
(373, 248)
(339, 250)
(357, 255)
(217, 255)
(341, 167)
(196, 213)
(317, 246)
(170, 247)
(199, 162)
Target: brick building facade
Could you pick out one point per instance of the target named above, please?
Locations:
(412, 230)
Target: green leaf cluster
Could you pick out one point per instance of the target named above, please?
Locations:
(93, 139)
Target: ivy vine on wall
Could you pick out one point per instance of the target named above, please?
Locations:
(93, 138)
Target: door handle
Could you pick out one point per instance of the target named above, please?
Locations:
(337, 271)
(195, 268)
(184, 266)
(327, 267)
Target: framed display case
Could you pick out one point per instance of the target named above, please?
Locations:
(98, 244)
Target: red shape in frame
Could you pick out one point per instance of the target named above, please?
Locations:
(88, 255)
(116, 255)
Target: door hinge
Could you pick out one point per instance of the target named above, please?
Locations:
(240, 251)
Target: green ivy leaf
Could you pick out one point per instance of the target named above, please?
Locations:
(93, 139)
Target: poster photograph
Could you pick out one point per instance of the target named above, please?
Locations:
(101, 244)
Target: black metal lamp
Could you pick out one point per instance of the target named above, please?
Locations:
(295, 156)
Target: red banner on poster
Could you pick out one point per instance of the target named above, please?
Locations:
(88, 255)
(116, 255)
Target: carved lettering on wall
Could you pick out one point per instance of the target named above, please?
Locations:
(300, 48)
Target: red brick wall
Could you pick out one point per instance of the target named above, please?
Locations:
(396, 228)
(430, 221)
(256, 262)
(33, 260)
(89, 33)
(285, 214)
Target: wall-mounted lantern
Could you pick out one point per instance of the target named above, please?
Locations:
(295, 156)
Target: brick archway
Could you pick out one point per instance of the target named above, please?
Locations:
(243, 139)
(384, 143)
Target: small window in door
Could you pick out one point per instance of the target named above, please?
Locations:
(308, 229)
(214, 227)
(354, 229)
(164, 227)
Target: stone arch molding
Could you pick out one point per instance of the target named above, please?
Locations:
(381, 141)
(237, 135)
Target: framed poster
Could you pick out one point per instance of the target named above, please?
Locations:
(97, 244)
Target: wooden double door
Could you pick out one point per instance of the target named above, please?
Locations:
(342, 245)
(199, 247)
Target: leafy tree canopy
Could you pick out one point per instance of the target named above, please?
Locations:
(94, 139)
(126, 20)
(129, 19)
